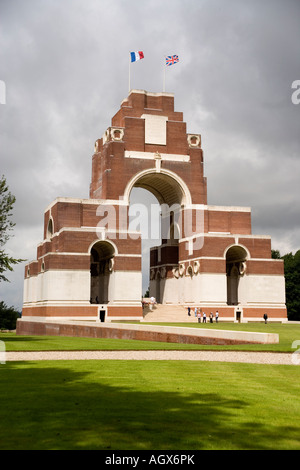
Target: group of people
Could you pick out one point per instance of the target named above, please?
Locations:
(197, 313)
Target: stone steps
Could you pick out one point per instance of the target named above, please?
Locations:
(168, 313)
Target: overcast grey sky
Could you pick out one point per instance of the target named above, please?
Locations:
(65, 67)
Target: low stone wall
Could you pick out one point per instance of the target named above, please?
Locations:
(167, 334)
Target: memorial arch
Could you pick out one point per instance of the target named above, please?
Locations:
(83, 262)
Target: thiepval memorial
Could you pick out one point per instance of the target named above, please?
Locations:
(89, 264)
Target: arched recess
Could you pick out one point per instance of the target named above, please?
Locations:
(236, 257)
(101, 267)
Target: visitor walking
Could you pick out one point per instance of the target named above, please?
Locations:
(204, 317)
(266, 318)
(217, 316)
(199, 317)
(211, 317)
(189, 311)
(152, 302)
(196, 310)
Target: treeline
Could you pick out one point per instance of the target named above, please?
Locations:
(292, 282)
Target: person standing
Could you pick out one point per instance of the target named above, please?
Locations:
(196, 310)
(189, 311)
(204, 317)
(199, 316)
(217, 316)
(265, 317)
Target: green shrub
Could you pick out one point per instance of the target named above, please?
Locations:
(8, 317)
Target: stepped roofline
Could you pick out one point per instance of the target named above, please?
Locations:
(148, 93)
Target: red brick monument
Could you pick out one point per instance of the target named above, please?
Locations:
(88, 265)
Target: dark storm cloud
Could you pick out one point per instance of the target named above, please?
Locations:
(65, 66)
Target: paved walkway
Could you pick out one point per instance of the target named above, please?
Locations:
(224, 356)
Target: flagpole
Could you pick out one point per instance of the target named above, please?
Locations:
(129, 74)
(164, 74)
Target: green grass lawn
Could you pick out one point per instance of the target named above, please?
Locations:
(148, 405)
(287, 334)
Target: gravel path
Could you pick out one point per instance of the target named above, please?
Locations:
(224, 356)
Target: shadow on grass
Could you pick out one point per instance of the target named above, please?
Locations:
(65, 408)
(11, 337)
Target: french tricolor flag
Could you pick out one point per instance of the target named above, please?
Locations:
(136, 56)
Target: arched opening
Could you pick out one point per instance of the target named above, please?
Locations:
(165, 186)
(160, 197)
(50, 229)
(236, 258)
(174, 231)
(101, 267)
(145, 216)
(158, 288)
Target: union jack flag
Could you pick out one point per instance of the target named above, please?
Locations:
(172, 59)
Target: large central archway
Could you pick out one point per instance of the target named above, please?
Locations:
(170, 195)
(165, 185)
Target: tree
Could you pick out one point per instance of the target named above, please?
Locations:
(292, 284)
(276, 254)
(7, 201)
(8, 317)
(147, 293)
